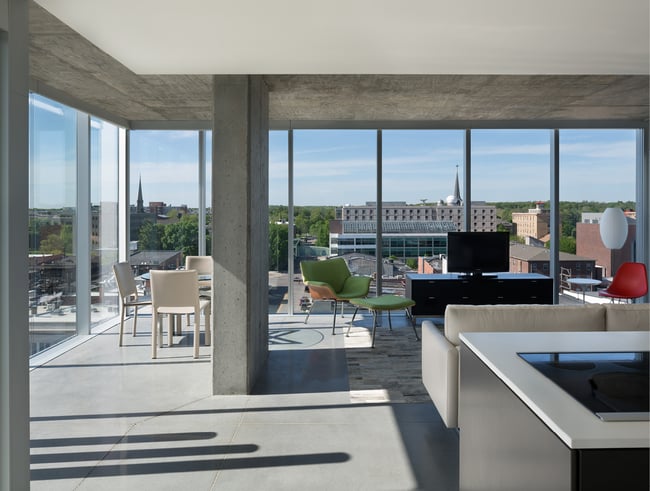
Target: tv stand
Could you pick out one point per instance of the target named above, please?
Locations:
(433, 292)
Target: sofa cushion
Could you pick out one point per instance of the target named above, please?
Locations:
(516, 318)
(627, 317)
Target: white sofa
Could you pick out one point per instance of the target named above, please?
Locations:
(440, 349)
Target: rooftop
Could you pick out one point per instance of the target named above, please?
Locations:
(398, 227)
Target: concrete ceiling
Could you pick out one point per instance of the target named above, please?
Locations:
(68, 66)
(433, 37)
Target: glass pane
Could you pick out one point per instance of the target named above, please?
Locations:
(588, 185)
(511, 190)
(334, 174)
(279, 223)
(52, 215)
(104, 218)
(419, 171)
(208, 193)
(164, 198)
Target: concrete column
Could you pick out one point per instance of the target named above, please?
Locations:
(14, 203)
(240, 232)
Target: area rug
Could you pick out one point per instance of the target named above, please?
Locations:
(391, 371)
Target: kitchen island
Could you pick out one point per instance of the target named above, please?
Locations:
(520, 430)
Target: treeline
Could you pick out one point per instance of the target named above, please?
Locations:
(309, 221)
(182, 235)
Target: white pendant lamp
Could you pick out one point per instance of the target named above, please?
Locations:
(613, 228)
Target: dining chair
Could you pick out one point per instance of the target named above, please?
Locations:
(629, 282)
(175, 293)
(203, 266)
(128, 294)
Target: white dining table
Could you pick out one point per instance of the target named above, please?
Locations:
(583, 284)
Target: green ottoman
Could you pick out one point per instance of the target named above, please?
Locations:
(379, 304)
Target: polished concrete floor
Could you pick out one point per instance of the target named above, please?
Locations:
(104, 417)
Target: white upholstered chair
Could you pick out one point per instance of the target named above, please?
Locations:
(128, 294)
(203, 266)
(175, 293)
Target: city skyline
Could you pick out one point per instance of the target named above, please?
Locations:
(337, 167)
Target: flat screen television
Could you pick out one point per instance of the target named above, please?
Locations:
(476, 253)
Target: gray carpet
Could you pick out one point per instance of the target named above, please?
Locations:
(392, 370)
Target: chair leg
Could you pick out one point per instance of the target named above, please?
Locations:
(334, 321)
(122, 325)
(154, 334)
(352, 321)
(309, 312)
(171, 328)
(135, 319)
(208, 325)
(410, 317)
(374, 327)
(197, 332)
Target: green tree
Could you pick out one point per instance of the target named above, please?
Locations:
(182, 236)
(58, 243)
(323, 236)
(149, 236)
(278, 247)
(568, 244)
(52, 244)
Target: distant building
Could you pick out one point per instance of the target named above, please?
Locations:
(589, 243)
(535, 223)
(483, 219)
(529, 259)
(401, 239)
(409, 231)
(156, 212)
(144, 261)
(483, 216)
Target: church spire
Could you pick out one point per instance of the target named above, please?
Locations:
(139, 207)
(457, 199)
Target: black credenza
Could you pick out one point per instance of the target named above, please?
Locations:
(433, 292)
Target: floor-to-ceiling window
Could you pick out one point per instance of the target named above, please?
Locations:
(279, 284)
(597, 171)
(164, 198)
(333, 170)
(510, 181)
(419, 172)
(52, 222)
(510, 191)
(104, 219)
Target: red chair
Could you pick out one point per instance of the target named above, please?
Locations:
(630, 281)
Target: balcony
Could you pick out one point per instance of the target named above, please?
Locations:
(327, 413)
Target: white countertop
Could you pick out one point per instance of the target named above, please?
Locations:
(574, 424)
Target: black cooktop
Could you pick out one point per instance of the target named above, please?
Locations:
(613, 385)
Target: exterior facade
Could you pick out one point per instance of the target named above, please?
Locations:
(401, 239)
(589, 244)
(530, 259)
(534, 223)
(483, 215)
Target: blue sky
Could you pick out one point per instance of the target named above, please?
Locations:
(335, 167)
